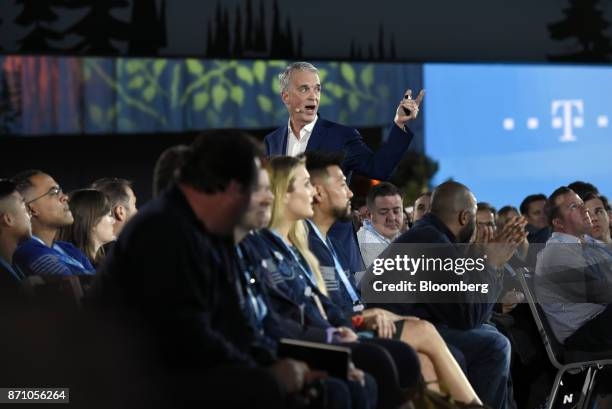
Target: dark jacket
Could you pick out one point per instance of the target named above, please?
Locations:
(461, 310)
(180, 280)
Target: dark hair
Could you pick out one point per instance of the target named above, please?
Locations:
(553, 211)
(7, 188)
(530, 199)
(88, 206)
(167, 167)
(484, 206)
(380, 190)
(507, 209)
(114, 188)
(23, 180)
(317, 162)
(605, 201)
(582, 188)
(218, 157)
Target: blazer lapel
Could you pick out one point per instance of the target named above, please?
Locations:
(317, 136)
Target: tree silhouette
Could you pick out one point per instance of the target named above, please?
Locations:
(260, 31)
(392, 51)
(381, 42)
(300, 44)
(40, 15)
(99, 27)
(584, 21)
(148, 28)
(238, 49)
(249, 32)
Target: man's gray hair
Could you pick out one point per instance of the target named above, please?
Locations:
(285, 76)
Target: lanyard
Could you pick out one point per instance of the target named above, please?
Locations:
(306, 272)
(308, 290)
(258, 305)
(341, 273)
(13, 270)
(65, 257)
(368, 226)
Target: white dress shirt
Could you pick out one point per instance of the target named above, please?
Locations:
(297, 146)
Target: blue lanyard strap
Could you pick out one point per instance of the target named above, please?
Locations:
(309, 275)
(341, 273)
(368, 226)
(258, 305)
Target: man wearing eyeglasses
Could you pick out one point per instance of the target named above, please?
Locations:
(48, 207)
(15, 228)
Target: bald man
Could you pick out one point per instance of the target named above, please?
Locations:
(461, 316)
(15, 228)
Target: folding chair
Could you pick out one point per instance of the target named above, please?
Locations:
(562, 358)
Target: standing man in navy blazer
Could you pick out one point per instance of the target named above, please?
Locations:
(305, 131)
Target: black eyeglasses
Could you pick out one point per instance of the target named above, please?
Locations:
(6, 187)
(54, 191)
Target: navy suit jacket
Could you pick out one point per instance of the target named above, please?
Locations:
(329, 136)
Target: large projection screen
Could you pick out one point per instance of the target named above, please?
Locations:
(507, 131)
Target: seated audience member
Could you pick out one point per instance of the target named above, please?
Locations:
(15, 228)
(505, 214)
(122, 200)
(93, 223)
(533, 209)
(461, 317)
(270, 325)
(596, 205)
(571, 283)
(166, 168)
(49, 210)
(174, 268)
(384, 222)
(422, 205)
(332, 203)
(582, 188)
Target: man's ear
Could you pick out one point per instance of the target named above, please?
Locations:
(6, 219)
(557, 223)
(285, 98)
(463, 218)
(319, 194)
(119, 213)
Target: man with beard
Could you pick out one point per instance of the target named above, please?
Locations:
(461, 316)
(384, 222)
(15, 228)
(48, 206)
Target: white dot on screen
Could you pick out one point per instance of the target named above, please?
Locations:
(508, 124)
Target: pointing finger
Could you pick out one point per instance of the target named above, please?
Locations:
(419, 97)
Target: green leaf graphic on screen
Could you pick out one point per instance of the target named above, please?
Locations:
(264, 103)
(200, 100)
(194, 66)
(136, 82)
(348, 73)
(237, 95)
(149, 93)
(259, 69)
(159, 66)
(244, 74)
(367, 75)
(219, 95)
